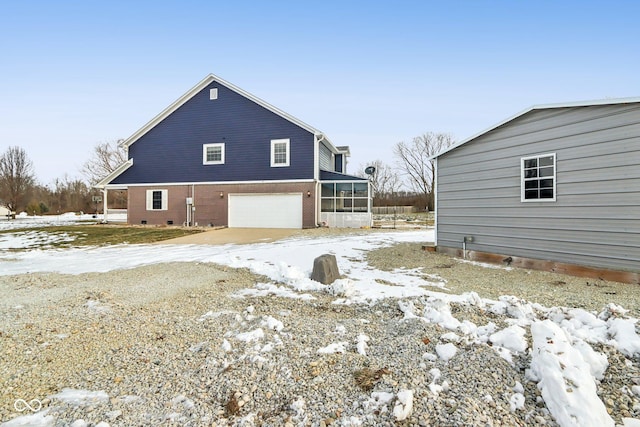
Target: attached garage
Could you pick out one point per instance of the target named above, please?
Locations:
(265, 210)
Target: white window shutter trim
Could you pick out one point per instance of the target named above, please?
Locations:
(165, 200)
(149, 200)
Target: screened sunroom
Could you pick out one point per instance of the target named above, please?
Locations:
(345, 201)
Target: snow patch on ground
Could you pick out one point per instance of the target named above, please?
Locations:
(562, 373)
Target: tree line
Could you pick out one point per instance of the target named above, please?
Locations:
(21, 192)
(409, 179)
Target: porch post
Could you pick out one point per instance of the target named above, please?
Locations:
(104, 206)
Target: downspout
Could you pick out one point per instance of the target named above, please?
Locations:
(318, 204)
(316, 173)
(369, 203)
(316, 156)
(466, 239)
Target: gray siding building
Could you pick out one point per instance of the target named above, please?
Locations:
(557, 183)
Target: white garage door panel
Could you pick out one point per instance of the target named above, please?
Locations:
(265, 210)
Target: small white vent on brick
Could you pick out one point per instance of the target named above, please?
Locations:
(213, 93)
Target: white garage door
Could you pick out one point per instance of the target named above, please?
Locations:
(265, 210)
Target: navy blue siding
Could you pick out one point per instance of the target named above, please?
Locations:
(333, 176)
(338, 163)
(172, 150)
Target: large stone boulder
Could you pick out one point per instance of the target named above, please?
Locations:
(325, 269)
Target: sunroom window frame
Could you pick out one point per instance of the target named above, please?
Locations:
(338, 198)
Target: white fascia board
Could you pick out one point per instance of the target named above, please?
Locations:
(114, 187)
(167, 111)
(464, 141)
(334, 149)
(344, 150)
(606, 101)
(541, 107)
(123, 167)
(171, 184)
(323, 138)
(196, 89)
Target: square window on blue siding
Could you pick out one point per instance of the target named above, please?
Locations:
(213, 154)
(280, 155)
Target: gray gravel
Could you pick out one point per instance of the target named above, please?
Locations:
(548, 289)
(173, 344)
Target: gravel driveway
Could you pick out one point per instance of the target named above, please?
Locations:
(175, 344)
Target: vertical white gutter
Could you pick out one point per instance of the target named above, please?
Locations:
(370, 203)
(316, 176)
(316, 157)
(317, 203)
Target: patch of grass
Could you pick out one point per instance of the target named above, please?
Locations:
(366, 378)
(101, 235)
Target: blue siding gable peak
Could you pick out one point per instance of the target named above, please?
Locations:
(172, 150)
(169, 147)
(204, 83)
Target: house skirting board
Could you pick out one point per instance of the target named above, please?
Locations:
(544, 265)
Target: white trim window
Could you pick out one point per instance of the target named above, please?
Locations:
(538, 178)
(213, 154)
(280, 153)
(157, 200)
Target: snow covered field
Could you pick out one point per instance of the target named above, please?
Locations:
(23, 220)
(565, 362)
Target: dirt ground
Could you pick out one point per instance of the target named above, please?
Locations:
(222, 236)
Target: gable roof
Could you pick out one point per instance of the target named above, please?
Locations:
(540, 107)
(117, 171)
(204, 83)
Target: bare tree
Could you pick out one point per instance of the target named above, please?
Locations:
(385, 181)
(107, 156)
(16, 178)
(413, 159)
(71, 195)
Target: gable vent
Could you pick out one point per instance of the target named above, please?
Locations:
(213, 93)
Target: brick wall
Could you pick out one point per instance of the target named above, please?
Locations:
(211, 208)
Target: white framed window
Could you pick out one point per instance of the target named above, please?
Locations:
(280, 153)
(157, 200)
(213, 154)
(538, 178)
(213, 94)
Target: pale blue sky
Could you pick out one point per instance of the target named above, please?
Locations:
(368, 74)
